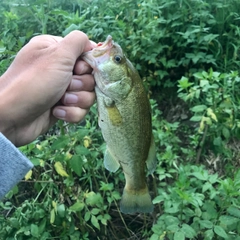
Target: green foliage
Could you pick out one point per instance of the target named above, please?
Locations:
(198, 206)
(188, 55)
(214, 102)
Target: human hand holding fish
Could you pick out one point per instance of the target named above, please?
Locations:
(125, 121)
(45, 82)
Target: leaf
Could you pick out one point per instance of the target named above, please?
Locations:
(206, 223)
(183, 83)
(209, 234)
(226, 133)
(173, 227)
(95, 211)
(87, 216)
(81, 150)
(93, 198)
(196, 118)
(34, 230)
(220, 232)
(70, 29)
(234, 211)
(199, 108)
(217, 141)
(201, 175)
(28, 175)
(94, 222)
(60, 170)
(76, 163)
(60, 142)
(206, 186)
(61, 210)
(179, 236)
(158, 199)
(52, 216)
(77, 207)
(228, 220)
(189, 231)
(211, 114)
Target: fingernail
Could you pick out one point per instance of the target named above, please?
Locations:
(59, 113)
(70, 98)
(76, 84)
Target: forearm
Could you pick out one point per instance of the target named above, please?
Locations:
(13, 165)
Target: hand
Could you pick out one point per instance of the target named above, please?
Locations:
(45, 82)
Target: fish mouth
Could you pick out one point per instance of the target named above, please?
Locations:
(100, 50)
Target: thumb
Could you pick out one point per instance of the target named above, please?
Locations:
(76, 42)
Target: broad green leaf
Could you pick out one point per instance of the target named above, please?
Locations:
(234, 211)
(201, 175)
(70, 29)
(34, 230)
(77, 207)
(158, 199)
(60, 142)
(95, 211)
(228, 220)
(42, 225)
(199, 108)
(81, 150)
(188, 231)
(81, 133)
(206, 186)
(198, 75)
(226, 133)
(61, 210)
(204, 83)
(196, 118)
(93, 198)
(173, 227)
(220, 232)
(209, 234)
(183, 83)
(154, 237)
(179, 236)
(87, 216)
(76, 163)
(217, 141)
(206, 223)
(94, 222)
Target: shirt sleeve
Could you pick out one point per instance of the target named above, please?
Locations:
(13, 165)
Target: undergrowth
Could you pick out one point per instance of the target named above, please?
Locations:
(187, 53)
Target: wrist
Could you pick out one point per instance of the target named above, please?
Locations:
(6, 122)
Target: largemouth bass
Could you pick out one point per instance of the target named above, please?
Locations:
(125, 121)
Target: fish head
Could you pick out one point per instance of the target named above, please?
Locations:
(111, 69)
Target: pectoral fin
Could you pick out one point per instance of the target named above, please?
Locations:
(152, 160)
(110, 163)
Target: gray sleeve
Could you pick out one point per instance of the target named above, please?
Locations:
(13, 165)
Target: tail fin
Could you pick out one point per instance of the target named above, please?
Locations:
(133, 202)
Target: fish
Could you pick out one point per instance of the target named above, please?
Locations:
(124, 117)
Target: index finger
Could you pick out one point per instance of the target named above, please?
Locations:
(76, 42)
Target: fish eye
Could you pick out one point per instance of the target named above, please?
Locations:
(117, 58)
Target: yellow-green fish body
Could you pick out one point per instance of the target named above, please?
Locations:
(125, 120)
